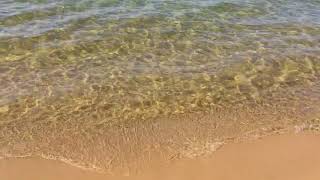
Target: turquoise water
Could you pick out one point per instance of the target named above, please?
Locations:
(67, 65)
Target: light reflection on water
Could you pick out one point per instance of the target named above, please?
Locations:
(104, 61)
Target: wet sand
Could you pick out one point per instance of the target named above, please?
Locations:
(279, 157)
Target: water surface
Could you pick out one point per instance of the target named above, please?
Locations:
(93, 64)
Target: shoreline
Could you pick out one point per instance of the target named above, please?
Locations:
(286, 156)
(114, 145)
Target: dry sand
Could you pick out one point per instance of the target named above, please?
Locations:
(280, 157)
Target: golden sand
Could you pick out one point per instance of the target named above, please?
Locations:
(279, 157)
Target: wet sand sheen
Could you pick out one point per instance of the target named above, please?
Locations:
(285, 157)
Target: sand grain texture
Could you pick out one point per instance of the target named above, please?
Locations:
(281, 157)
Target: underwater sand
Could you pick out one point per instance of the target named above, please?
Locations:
(113, 85)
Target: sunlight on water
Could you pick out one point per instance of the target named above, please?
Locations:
(103, 62)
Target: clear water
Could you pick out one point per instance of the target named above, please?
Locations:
(97, 63)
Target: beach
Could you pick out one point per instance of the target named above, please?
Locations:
(278, 157)
(159, 89)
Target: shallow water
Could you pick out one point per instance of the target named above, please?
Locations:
(90, 65)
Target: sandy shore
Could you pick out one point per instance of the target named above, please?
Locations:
(281, 157)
